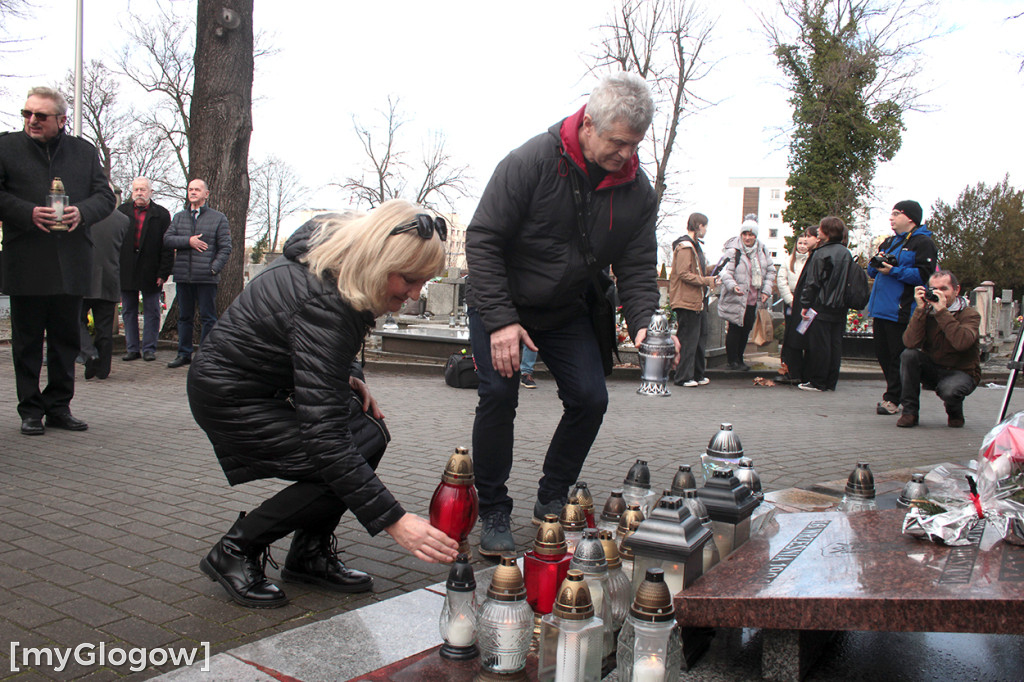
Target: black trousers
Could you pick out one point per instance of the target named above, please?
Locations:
(951, 385)
(888, 348)
(692, 331)
(825, 353)
(102, 339)
(56, 318)
(736, 336)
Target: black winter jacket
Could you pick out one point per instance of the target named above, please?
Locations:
(524, 257)
(289, 335)
(37, 263)
(824, 281)
(141, 267)
(199, 267)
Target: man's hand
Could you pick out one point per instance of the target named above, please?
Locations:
(363, 391)
(159, 281)
(505, 344)
(884, 268)
(72, 217)
(940, 304)
(919, 296)
(196, 242)
(44, 217)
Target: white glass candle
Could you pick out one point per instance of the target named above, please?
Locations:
(649, 669)
(461, 631)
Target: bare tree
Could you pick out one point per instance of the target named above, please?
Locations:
(147, 153)
(387, 176)
(104, 122)
(277, 192)
(10, 10)
(663, 41)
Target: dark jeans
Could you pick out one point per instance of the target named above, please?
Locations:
(825, 353)
(188, 296)
(951, 385)
(736, 336)
(101, 344)
(571, 355)
(58, 318)
(888, 347)
(150, 317)
(794, 348)
(692, 331)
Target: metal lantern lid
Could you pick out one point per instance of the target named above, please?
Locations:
(460, 577)
(583, 498)
(507, 582)
(671, 532)
(748, 475)
(653, 600)
(572, 517)
(683, 480)
(639, 475)
(726, 498)
(915, 489)
(57, 186)
(550, 538)
(573, 601)
(589, 555)
(611, 550)
(459, 469)
(625, 551)
(861, 482)
(725, 444)
(697, 508)
(630, 519)
(614, 507)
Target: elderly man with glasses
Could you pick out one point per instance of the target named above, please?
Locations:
(47, 257)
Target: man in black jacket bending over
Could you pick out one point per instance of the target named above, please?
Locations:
(47, 255)
(528, 247)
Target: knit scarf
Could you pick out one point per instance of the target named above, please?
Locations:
(756, 271)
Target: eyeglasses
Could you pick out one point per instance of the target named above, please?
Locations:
(26, 114)
(898, 212)
(425, 227)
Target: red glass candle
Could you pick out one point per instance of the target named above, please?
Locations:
(454, 506)
(545, 566)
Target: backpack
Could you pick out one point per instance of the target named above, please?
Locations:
(460, 371)
(857, 290)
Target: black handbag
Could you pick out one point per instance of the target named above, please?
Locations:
(460, 371)
(601, 291)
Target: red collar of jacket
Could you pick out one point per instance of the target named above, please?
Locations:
(570, 134)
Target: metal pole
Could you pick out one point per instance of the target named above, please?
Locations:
(78, 66)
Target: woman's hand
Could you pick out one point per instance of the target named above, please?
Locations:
(738, 290)
(369, 402)
(423, 541)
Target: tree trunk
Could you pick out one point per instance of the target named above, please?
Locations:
(221, 122)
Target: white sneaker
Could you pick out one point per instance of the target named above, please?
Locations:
(704, 382)
(808, 387)
(690, 384)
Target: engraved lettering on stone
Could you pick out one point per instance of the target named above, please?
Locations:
(788, 554)
(960, 563)
(1012, 569)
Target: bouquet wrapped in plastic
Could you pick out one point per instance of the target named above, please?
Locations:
(991, 488)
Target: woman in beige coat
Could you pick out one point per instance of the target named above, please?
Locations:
(688, 296)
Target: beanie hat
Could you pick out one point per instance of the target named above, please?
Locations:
(911, 209)
(749, 224)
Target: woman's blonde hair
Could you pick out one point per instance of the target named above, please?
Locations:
(357, 252)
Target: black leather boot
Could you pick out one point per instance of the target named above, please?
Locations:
(238, 566)
(313, 558)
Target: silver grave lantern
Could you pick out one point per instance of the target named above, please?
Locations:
(673, 540)
(729, 504)
(656, 354)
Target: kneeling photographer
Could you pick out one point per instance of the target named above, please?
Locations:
(942, 352)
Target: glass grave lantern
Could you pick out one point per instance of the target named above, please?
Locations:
(589, 559)
(573, 523)
(915, 489)
(729, 504)
(620, 589)
(454, 506)
(545, 567)
(697, 508)
(649, 646)
(629, 520)
(723, 451)
(581, 495)
(860, 490)
(636, 487)
(613, 509)
(673, 540)
(683, 480)
(58, 201)
(505, 621)
(571, 641)
(749, 477)
(656, 354)
(458, 615)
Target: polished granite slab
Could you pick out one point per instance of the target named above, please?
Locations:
(835, 571)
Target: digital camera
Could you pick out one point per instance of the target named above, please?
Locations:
(880, 259)
(930, 295)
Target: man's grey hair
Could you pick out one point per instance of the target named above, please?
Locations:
(622, 97)
(52, 94)
(143, 178)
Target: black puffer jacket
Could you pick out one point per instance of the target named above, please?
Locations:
(525, 262)
(289, 335)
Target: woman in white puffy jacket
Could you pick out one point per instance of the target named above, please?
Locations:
(794, 346)
(790, 273)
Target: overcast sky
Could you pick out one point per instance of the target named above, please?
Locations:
(490, 75)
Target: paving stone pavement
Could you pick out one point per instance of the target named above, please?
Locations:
(101, 532)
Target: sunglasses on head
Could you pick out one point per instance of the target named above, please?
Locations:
(425, 226)
(26, 114)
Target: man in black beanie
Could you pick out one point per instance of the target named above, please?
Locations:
(904, 261)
